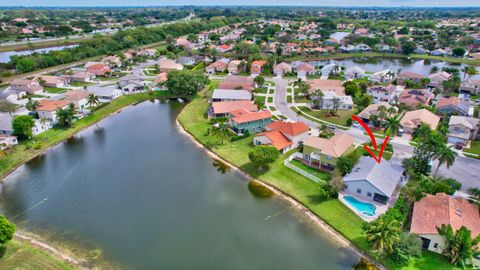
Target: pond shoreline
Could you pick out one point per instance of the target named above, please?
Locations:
(333, 234)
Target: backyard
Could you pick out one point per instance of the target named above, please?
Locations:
(54, 90)
(325, 176)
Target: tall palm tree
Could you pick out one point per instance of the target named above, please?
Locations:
(444, 154)
(391, 111)
(392, 125)
(65, 116)
(336, 104)
(460, 245)
(223, 130)
(469, 72)
(422, 131)
(319, 97)
(383, 233)
(92, 100)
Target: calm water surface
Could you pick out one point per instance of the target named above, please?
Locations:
(137, 194)
(5, 56)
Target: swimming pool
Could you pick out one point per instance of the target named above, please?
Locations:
(367, 209)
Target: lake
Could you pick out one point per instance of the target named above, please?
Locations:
(375, 64)
(5, 56)
(135, 193)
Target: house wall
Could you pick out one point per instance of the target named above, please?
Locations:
(48, 115)
(328, 161)
(297, 139)
(365, 188)
(435, 239)
(253, 127)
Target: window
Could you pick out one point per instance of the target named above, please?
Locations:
(328, 157)
(359, 190)
(369, 194)
(435, 245)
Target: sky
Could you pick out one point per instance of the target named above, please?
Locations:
(345, 3)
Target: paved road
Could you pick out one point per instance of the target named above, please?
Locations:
(465, 170)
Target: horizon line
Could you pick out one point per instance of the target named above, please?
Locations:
(236, 5)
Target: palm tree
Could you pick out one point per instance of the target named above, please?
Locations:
(383, 233)
(469, 72)
(390, 74)
(474, 195)
(382, 113)
(65, 116)
(318, 95)
(422, 131)
(444, 154)
(92, 100)
(223, 130)
(460, 245)
(392, 125)
(336, 104)
(391, 111)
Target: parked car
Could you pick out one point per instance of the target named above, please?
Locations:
(332, 126)
(400, 132)
(459, 145)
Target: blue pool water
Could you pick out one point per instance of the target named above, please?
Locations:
(367, 209)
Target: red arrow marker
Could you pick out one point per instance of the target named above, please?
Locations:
(374, 142)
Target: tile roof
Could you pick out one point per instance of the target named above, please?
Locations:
(335, 146)
(230, 106)
(373, 109)
(76, 95)
(231, 94)
(412, 119)
(243, 116)
(327, 85)
(52, 105)
(289, 128)
(435, 210)
(276, 138)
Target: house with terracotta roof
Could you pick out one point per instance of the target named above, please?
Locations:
(257, 67)
(166, 65)
(53, 81)
(452, 105)
(24, 85)
(462, 129)
(413, 119)
(472, 86)
(78, 97)
(410, 76)
(82, 76)
(223, 109)
(326, 85)
(437, 79)
(224, 48)
(236, 66)
(283, 135)
(99, 69)
(242, 121)
(217, 66)
(373, 181)
(415, 97)
(112, 60)
(323, 153)
(373, 109)
(303, 69)
(47, 109)
(282, 68)
(433, 211)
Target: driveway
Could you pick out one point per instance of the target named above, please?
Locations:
(464, 170)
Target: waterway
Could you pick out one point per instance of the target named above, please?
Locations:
(136, 193)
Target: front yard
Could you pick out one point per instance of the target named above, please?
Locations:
(54, 90)
(340, 119)
(474, 148)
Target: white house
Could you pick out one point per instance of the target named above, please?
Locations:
(106, 94)
(47, 109)
(354, 72)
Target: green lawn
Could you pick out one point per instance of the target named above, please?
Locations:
(325, 176)
(300, 188)
(54, 90)
(19, 255)
(300, 98)
(260, 99)
(270, 99)
(24, 150)
(340, 119)
(262, 90)
(474, 148)
(78, 84)
(289, 99)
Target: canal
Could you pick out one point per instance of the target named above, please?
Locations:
(135, 193)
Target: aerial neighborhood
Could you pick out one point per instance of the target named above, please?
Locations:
(280, 94)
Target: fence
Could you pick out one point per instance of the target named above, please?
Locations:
(310, 176)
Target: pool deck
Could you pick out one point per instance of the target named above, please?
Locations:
(381, 208)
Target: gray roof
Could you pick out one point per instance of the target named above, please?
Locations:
(384, 176)
(6, 123)
(231, 94)
(103, 91)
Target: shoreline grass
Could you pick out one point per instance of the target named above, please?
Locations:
(19, 255)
